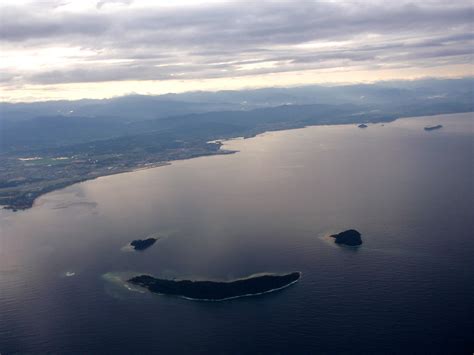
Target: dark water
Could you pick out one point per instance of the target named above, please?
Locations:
(268, 208)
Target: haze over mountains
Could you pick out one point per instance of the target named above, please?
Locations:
(38, 125)
(48, 145)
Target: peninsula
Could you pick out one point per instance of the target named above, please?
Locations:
(349, 237)
(216, 290)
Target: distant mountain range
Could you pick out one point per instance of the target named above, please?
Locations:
(49, 145)
(38, 125)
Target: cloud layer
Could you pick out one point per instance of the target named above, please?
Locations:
(58, 42)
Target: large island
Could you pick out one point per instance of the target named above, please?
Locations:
(216, 290)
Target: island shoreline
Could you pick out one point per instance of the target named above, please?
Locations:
(220, 282)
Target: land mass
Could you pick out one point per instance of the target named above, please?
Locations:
(214, 290)
(432, 128)
(349, 237)
(142, 244)
(44, 147)
(23, 181)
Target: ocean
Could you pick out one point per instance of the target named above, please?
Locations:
(409, 288)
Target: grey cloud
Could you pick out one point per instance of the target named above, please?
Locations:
(265, 23)
(104, 2)
(20, 27)
(215, 41)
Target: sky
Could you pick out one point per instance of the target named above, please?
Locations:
(60, 49)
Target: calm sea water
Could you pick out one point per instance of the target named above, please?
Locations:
(267, 208)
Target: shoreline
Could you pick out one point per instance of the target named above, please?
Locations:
(221, 141)
(17, 208)
(230, 298)
(253, 276)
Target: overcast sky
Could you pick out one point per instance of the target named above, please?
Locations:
(74, 49)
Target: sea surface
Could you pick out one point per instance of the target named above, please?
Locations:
(267, 208)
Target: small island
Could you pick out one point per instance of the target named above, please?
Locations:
(349, 237)
(432, 128)
(216, 290)
(142, 244)
(362, 125)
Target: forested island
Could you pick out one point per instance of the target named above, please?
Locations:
(216, 290)
(142, 244)
(349, 237)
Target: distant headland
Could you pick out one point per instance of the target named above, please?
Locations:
(432, 128)
(216, 290)
(349, 237)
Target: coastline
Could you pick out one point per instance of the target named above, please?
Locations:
(63, 185)
(31, 196)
